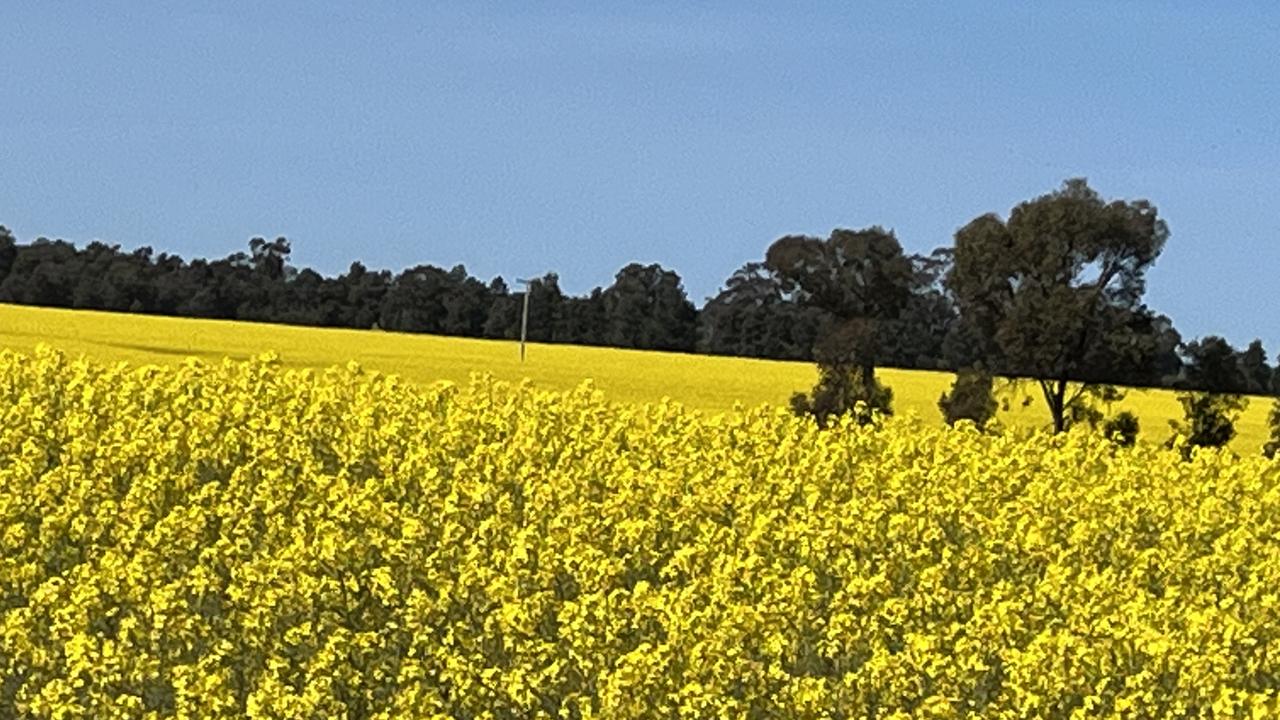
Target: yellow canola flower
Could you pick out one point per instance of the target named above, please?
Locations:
(245, 540)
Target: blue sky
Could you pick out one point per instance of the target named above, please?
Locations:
(518, 139)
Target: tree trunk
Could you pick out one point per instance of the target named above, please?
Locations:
(1055, 394)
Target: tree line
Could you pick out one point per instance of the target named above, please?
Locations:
(645, 307)
(1052, 293)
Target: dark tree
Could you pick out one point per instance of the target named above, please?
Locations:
(203, 292)
(1055, 292)
(646, 308)
(1166, 362)
(860, 278)
(1213, 366)
(1209, 419)
(309, 298)
(8, 251)
(94, 287)
(503, 320)
(753, 316)
(414, 302)
(583, 320)
(362, 292)
(45, 272)
(965, 345)
(915, 339)
(466, 305)
(546, 308)
(269, 258)
(170, 281)
(249, 284)
(428, 299)
(1256, 371)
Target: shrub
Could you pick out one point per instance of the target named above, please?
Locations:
(843, 390)
(1122, 429)
(1209, 419)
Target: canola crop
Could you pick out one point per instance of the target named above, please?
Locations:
(701, 382)
(245, 540)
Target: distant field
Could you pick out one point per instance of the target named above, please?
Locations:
(700, 382)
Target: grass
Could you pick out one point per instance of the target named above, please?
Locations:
(705, 383)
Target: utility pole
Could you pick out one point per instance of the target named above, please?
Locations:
(524, 316)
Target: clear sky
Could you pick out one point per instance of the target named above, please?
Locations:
(578, 137)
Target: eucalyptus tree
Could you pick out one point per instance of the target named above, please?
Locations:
(1055, 292)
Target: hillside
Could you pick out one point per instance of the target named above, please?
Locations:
(700, 382)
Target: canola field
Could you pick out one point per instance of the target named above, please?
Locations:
(243, 539)
(709, 384)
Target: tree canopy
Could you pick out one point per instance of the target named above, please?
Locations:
(1055, 292)
(860, 279)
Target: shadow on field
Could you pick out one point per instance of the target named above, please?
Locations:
(175, 352)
